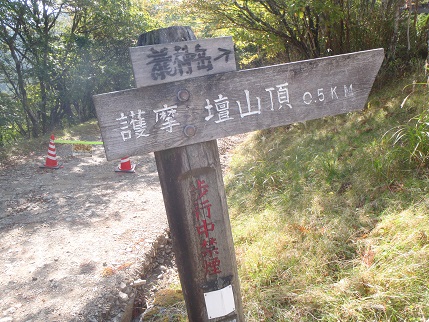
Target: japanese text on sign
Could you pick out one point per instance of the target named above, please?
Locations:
(199, 109)
(162, 63)
(220, 109)
(205, 226)
(182, 60)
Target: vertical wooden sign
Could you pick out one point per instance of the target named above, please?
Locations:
(195, 202)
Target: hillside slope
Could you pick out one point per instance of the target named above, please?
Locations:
(330, 217)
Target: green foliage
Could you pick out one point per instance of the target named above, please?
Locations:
(9, 118)
(328, 222)
(288, 30)
(56, 54)
(411, 140)
(96, 52)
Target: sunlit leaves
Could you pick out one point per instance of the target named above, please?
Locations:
(285, 30)
(56, 54)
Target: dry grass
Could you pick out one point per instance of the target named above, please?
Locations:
(330, 222)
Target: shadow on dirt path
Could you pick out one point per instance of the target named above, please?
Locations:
(72, 240)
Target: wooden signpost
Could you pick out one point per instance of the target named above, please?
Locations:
(179, 116)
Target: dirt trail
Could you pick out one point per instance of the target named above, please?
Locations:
(72, 240)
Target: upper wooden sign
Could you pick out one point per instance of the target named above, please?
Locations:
(157, 64)
(200, 109)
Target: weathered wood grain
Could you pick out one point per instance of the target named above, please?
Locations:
(162, 63)
(195, 202)
(252, 99)
(202, 243)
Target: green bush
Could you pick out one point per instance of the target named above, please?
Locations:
(411, 140)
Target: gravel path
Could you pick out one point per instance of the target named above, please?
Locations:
(75, 242)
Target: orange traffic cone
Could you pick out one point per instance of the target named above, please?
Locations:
(51, 159)
(126, 166)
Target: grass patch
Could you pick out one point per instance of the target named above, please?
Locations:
(330, 219)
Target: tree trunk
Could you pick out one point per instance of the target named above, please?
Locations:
(22, 94)
(394, 39)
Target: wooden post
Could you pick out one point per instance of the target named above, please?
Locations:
(195, 202)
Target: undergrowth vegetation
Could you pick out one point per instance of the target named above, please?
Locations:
(23, 148)
(330, 217)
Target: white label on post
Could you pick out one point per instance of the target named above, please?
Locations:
(219, 303)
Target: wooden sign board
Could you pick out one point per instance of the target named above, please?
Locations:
(160, 117)
(158, 64)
